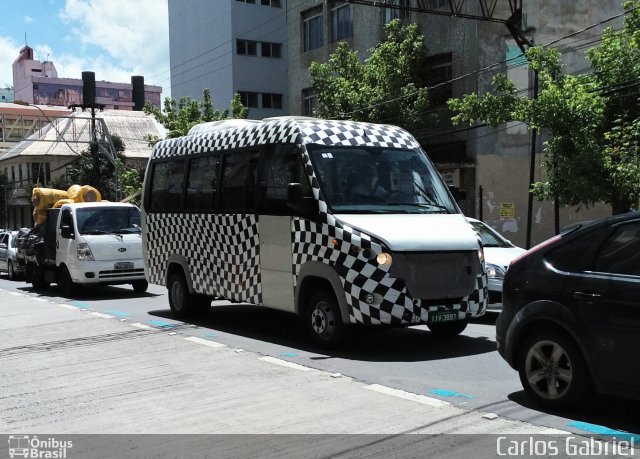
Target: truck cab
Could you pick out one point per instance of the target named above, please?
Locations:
(86, 243)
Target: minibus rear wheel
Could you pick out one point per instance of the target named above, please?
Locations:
(181, 302)
(324, 320)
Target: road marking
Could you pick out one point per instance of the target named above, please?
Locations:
(16, 293)
(41, 300)
(206, 342)
(450, 393)
(284, 363)
(117, 313)
(99, 314)
(143, 326)
(67, 306)
(602, 430)
(161, 324)
(407, 395)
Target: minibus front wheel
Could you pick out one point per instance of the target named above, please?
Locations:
(324, 320)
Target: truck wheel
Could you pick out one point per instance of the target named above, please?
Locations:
(11, 270)
(448, 328)
(36, 278)
(324, 320)
(182, 303)
(140, 286)
(65, 283)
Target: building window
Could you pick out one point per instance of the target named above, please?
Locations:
(40, 173)
(246, 47)
(439, 73)
(341, 25)
(396, 13)
(274, 3)
(439, 4)
(271, 49)
(271, 100)
(313, 36)
(247, 1)
(249, 99)
(309, 102)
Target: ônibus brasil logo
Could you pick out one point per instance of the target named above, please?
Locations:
(28, 446)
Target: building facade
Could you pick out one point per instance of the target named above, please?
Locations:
(228, 47)
(490, 167)
(37, 82)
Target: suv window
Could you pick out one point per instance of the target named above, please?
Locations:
(620, 254)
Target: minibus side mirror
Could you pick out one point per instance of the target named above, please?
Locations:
(297, 201)
(66, 231)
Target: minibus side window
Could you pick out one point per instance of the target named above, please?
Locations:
(238, 181)
(202, 183)
(282, 165)
(166, 186)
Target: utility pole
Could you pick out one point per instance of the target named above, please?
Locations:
(514, 23)
(105, 145)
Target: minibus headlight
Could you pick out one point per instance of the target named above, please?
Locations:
(481, 255)
(384, 259)
(84, 252)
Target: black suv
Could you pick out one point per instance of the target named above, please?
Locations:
(570, 321)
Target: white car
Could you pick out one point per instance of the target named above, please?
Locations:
(8, 260)
(498, 253)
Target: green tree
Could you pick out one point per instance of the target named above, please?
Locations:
(180, 116)
(386, 87)
(593, 120)
(93, 168)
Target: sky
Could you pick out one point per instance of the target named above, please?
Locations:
(113, 38)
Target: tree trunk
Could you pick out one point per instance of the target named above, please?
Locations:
(620, 206)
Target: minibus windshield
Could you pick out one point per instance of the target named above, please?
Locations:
(379, 180)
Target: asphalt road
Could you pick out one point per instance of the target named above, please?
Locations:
(466, 371)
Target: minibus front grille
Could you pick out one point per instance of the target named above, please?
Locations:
(117, 273)
(434, 275)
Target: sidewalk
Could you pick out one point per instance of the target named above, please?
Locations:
(68, 371)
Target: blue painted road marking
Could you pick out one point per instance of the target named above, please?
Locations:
(450, 393)
(602, 430)
(113, 312)
(161, 324)
(80, 304)
(288, 354)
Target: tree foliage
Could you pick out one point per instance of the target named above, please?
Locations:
(93, 168)
(180, 116)
(593, 154)
(386, 87)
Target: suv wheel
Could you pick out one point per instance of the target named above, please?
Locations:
(552, 370)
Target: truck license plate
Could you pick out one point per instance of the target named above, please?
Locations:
(123, 265)
(442, 316)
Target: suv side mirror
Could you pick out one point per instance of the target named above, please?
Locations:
(66, 231)
(296, 200)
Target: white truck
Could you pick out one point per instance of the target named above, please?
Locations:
(85, 244)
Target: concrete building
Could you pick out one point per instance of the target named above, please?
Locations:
(6, 95)
(37, 83)
(228, 47)
(490, 166)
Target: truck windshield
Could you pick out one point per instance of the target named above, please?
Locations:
(380, 180)
(108, 220)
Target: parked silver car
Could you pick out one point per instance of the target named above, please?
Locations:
(498, 253)
(8, 260)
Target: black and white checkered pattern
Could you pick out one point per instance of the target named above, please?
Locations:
(223, 250)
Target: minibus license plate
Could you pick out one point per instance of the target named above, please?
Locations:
(444, 316)
(123, 265)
